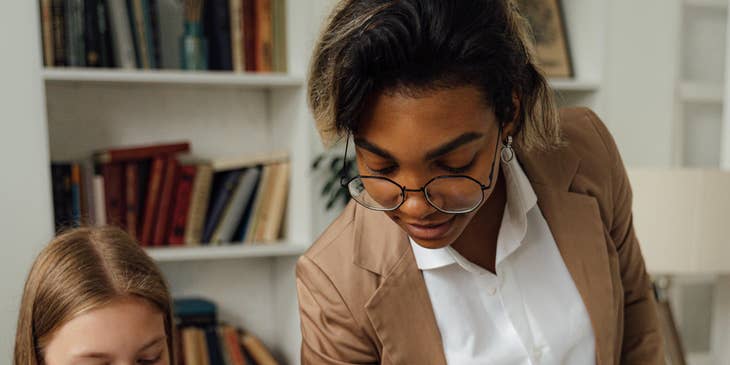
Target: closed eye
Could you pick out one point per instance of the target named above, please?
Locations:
(383, 171)
(458, 170)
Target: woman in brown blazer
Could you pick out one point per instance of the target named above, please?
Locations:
(485, 226)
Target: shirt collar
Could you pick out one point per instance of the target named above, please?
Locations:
(521, 198)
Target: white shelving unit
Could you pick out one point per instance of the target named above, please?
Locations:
(224, 115)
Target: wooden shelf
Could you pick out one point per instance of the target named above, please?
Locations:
(574, 85)
(697, 92)
(226, 252)
(715, 4)
(175, 77)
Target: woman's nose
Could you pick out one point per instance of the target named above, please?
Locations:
(416, 206)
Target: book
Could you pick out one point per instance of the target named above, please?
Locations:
(261, 194)
(279, 35)
(123, 46)
(165, 205)
(198, 204)
(264, 36)
(74, 16)
(61, 189)
(75, 194)
(275, 208)
(220, 198)
(140, 152)
(154, 186)
(91, 34)
(105, 37)
(189, 345)
(47, 32)
(181, 205)
(673, 348)
(132, 200)
(137, 13)
(99, 199)
(202, 345)
(214, 347)
(241, 162)
(236, 15)
(249, 34)
(88, 208)
(242, 228)
(114, 193)
(230, 339)
(236, 206)
(217, 28)
(59, 32)
(257, 350)
(153, 22)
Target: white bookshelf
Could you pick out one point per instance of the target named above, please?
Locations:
(224, 115)
(171, 77)
(231, 251)
(701, 92)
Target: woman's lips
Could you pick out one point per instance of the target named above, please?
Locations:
(429, 232)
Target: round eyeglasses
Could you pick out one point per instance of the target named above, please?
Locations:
(452, 194)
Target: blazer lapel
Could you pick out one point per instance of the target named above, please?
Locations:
(575, 222)
(402, 315)
(400, 310)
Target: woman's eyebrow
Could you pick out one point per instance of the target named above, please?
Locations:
(153, 342)
(363, 143)
(452, 145)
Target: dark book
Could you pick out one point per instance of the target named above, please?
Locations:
(92, 37)
(74, 16)
(155, 33)
(59, 32)
(242, 228)
(133, 33)
(200, 311)
(143, 178)
(154, 186)
(182, 205)
(165, 207)
(249, 34)
(61, 180)
(114, 193)
(214, 345)
(132, 200)
(75, 194)
(217, 28)
(106, 50)
(220, 196)
(140, 152)
(146, 6)
(139, 15)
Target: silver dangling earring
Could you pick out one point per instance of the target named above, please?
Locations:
(507, 152)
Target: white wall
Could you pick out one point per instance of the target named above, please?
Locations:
(24, 218)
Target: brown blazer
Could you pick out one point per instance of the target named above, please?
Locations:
(363, 300)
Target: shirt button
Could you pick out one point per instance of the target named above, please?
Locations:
(492, 290)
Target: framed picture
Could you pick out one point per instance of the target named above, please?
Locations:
(551, 40)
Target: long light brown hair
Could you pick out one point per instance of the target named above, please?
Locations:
(79, 270)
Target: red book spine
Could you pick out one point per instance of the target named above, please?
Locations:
(113, 193)
(151, 204)
(264, 34)
(165, 207)
(249, 34)
(182, 205)
(132, 210)
(141, 152)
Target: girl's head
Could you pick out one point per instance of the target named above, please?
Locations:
(94, 297)
(430, 88)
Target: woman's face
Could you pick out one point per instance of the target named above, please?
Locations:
(128, 331)
(413, 139)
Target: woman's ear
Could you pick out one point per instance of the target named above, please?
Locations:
(509, 128)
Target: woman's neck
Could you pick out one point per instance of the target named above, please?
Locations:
(478, 242)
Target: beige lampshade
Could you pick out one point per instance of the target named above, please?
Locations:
(682, 219)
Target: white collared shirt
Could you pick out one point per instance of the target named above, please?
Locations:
(529, 313)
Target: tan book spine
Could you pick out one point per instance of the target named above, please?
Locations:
(257, 350)
(261, 193)
(203, 356)
(236, 14)
(47, 27)
(266, 204)
(198, 205)
(277, 207)
(190, 347)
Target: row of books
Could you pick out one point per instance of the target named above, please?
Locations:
(163, 195)
(203, 340)
(242, 35)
